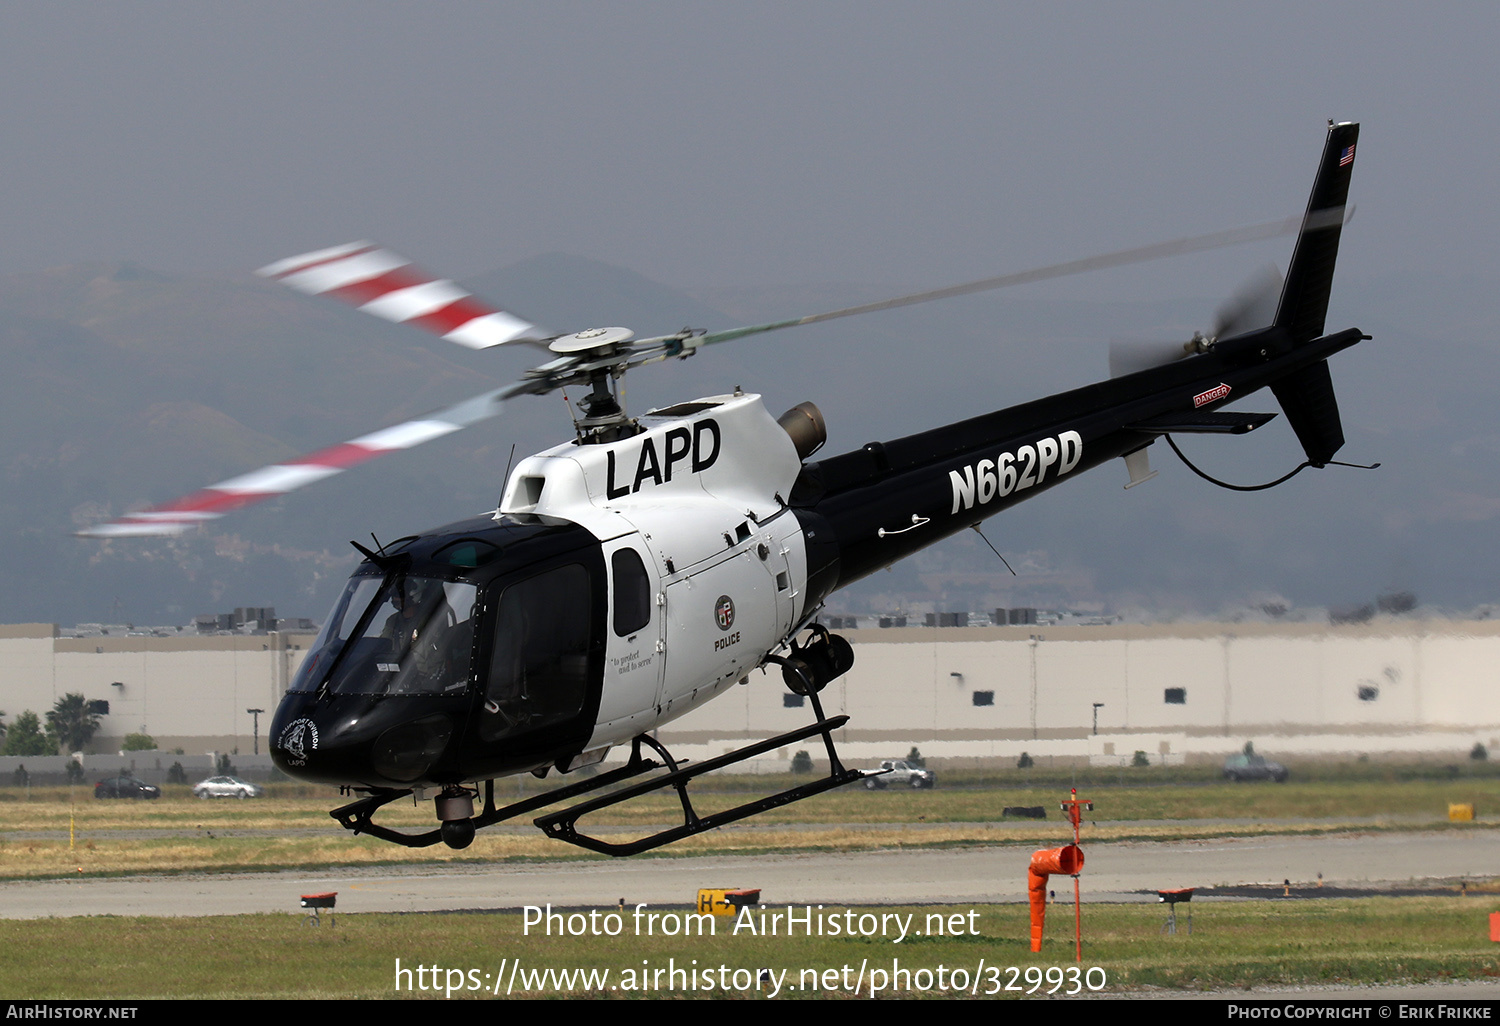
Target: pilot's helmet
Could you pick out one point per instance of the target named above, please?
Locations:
(412, 592)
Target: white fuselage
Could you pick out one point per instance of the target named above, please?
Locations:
(700, 494)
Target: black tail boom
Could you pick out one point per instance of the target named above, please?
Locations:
(866, 509)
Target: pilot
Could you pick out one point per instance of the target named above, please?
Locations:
(417, 630)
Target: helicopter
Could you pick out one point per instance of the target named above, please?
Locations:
(650, 563)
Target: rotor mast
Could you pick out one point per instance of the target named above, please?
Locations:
(604, 353)
(604, 418)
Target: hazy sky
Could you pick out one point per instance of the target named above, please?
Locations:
(884, 145)
(714, 143)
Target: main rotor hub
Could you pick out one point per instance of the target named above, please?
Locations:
(590, 340)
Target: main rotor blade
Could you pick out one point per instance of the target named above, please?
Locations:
(393, 288)
(238, 492)
(1138, 254)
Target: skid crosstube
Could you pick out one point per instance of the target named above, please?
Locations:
(562, 825)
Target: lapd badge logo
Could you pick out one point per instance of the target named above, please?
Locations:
(724, 612)
(299, 738)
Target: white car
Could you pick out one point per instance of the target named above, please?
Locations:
(898, 772)
(227, 787)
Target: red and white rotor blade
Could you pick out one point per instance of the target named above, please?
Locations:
(268, 482)
(391, 287)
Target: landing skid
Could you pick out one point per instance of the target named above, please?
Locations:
(563, 825)
(356, 816)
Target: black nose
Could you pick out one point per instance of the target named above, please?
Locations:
(406, 752)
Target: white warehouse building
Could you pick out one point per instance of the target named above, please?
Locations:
(1174, 691)
(187, 692)
(963, 695)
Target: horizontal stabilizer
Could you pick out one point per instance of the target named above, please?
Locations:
(1204, 423)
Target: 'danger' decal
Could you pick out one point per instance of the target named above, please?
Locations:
(1212, 395)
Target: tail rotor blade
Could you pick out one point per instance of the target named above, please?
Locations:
(1126, 356)
(1252, 307)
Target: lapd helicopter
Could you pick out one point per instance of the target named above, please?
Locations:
(644, 567)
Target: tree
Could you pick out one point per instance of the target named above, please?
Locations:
(71, 723)
(25, 737)
(139, 742)
(1025, 761)
(802, 763)
(914, 758)
(1140, 759)
(1479, 753)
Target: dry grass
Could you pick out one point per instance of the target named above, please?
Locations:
(96, 855)
(181, 834)
(1145, 798)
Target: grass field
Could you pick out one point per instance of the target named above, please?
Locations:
(1234, 945)
(179, 833)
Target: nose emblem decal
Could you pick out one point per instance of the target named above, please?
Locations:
(299, 738)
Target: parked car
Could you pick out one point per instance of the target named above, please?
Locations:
(227, 787)
(1253, 767)
(898, 771)
(125, 786)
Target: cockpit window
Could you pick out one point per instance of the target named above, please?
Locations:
(401, 634)
(539, 667)
(341, 622)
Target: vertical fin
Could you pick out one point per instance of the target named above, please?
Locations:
(1304, 298)
(1307, 399)
(1307, 396)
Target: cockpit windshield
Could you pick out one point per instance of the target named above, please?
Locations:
(400, 634)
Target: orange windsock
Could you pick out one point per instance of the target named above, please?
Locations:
(1068, 861)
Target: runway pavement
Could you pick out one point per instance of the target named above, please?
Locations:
(1130, 871)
